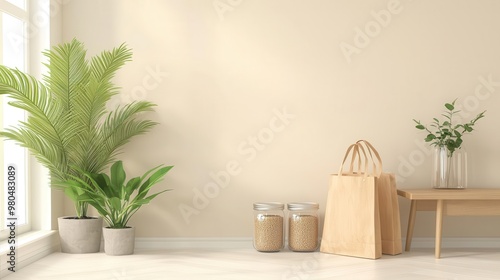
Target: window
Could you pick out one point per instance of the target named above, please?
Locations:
(13, 53)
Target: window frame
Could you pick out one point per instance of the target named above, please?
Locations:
(7, 8)
(39, 196)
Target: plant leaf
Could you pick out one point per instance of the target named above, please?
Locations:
(117, 178)
(420, 126)
(430, 137)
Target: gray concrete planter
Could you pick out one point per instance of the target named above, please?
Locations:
(80, 236)
(119, 241)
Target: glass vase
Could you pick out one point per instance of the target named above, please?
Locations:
(449, 169)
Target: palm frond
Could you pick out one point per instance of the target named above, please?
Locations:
(119, 127)
(45, 152)
(68, 72)
(28, 94)
(42, 127)
(107, 63)
(90, 107)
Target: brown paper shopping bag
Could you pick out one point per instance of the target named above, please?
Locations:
(390, 223)
(352, 223)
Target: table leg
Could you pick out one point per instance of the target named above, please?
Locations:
(439, 227)
(411, 223)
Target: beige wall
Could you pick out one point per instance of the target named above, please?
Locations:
(299, 77)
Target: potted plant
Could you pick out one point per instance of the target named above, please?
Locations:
(450, 161)
(69, 129)
(117, 200)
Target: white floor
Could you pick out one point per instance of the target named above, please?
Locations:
(246, 263)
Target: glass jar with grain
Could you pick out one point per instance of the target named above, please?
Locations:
(303, 226)
(268, 226)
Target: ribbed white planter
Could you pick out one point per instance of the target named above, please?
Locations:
(119, 241)
(80, 236)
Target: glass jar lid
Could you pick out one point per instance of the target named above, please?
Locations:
(297, 206)
(266, 206)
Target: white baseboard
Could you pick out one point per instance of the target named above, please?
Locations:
(243, 242)
(30, 247)
(189, 243)
(455, 242)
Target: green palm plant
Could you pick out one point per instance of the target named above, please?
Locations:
(68, 128)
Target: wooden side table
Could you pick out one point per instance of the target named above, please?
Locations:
(450, 202)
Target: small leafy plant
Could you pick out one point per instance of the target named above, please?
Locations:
(448, 133)
(114, 199)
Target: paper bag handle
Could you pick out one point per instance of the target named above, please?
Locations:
(355, 156)
(377, 160)
(358, 152)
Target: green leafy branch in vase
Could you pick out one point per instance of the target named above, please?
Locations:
(447, 133)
